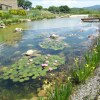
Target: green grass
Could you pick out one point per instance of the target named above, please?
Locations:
(61, 92)
(83, 70)
(79, 75)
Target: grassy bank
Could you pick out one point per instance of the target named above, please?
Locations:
(80, 73)
(12, 17)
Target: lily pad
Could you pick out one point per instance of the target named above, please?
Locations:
(53, 44)
(21, 71)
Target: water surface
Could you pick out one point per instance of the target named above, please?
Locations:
(71, 30)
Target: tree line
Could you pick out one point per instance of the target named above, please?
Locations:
(26, 4)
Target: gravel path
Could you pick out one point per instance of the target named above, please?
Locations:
(90, 90)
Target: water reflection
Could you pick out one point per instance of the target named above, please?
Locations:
(72, 31)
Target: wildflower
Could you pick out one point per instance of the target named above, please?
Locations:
(52, 74)
(44, 65)
(45, 81)
(69, 78)
(76, 59)
(95, 52)
(93, 68)
(87, 65)
(94, 49)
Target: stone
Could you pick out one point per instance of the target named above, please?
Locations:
(29, 52)
(18, 29)
(53, 36)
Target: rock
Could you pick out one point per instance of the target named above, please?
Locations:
(18, 29)
(54, 36)
(2, 25)
(29, 52)
(91, 37)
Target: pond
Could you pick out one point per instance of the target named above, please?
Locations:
(71, 30)
(72, 39)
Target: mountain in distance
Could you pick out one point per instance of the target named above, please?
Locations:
(95, 7)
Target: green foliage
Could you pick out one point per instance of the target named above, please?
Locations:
(39, 7)
(24, 69)
(81, 73)
(95, 15)
(54, 9)
(61, 92)
(84, 11)
(52, 44)
(17, 12)
(1, 13)
(62, 9)
(4, 15)
(24, 4)
(27, 4)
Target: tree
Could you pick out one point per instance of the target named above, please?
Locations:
(20, 3)
(53, 9)
(25, 4)
(64, 9)
(39, 7)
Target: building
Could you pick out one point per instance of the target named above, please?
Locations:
(8, 4)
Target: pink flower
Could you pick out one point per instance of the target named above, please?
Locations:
(44, 65)
(50, 69)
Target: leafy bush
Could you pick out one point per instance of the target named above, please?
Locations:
(5, 15)
(1, 13)
(17, 12)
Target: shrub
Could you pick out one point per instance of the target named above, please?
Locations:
(22, 12)
(5, 15)
(17, 12)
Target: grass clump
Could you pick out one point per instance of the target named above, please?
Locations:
(83, 70)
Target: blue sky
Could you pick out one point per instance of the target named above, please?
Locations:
(70, 3)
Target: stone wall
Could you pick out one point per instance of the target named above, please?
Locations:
(12, 3)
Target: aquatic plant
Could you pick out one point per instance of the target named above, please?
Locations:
(83, 70)
(61, 92)
(24, 69)
(53, 44)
